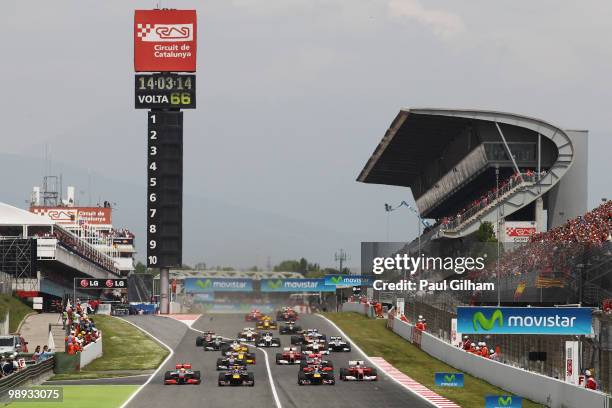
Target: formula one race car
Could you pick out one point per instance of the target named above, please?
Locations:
(206, 336)
(182, 374)
(314, 347)
(215, 343)
(358, 371)
(237, 376)
(316, 375)
(290, 355)
(227, 362)
(266, 323)
(267, 340)
(254, 316)
(248, 335)
(286, 314)
(312, 360)
(249, 358)
(290, 328)
(307, 336)
(234, 346)
(336, 343)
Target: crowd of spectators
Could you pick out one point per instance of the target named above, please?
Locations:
(81, 329)
(487, 197)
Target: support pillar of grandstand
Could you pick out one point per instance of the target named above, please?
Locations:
(163, 290)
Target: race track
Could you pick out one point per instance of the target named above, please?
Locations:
(383, 393)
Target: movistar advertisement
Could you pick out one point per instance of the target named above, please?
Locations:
(503, 401)
(449, 379)
(525, 320)
(349, 280)
(203, 285)
(295, 285)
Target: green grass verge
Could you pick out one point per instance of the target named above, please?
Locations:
(18, 310)
(94, 375)
(90, 396)
(124, 348)
(377, 341)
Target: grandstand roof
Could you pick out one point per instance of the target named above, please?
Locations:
(10, 215)
(417, 136)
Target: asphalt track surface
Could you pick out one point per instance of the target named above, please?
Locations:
(384, 393)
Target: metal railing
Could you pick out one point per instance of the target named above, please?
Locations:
(26, 375)
(490, 200)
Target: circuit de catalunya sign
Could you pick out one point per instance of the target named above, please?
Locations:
(524, 320)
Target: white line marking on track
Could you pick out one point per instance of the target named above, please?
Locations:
(355, 346)
(272, 385)
(154, 372)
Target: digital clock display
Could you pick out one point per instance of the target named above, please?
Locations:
(165, 91)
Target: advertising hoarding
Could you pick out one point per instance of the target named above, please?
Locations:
(349, 280)
(524, 320)
(295, 285)
(76, 215)
(203, 285)
(165, 40)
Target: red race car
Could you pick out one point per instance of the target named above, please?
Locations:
(290, 355)
(358, 371)
(254, 316)
(182, 374)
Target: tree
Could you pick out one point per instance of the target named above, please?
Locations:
(200, 266)
(140, 268)
(486, 232)
(254, 268)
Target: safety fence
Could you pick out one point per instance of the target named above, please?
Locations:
(362, 308)
(545, 390)
(28, 375)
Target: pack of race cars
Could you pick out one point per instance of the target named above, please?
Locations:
(309, 350)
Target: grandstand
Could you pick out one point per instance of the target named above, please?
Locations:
(526, 177)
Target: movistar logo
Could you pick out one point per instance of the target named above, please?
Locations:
(488, 324)
(504, 401)
(336, 279)
(275, 284)
(204, 285)
(449, 378)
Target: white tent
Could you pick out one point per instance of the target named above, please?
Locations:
(13, 216)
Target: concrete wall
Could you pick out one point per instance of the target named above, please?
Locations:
(569, 197)
(536, 387)
(364, 309)
(91, 352)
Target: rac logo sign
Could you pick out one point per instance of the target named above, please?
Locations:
(488, 324)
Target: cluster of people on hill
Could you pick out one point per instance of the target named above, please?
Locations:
(81, 328)
(479, 349)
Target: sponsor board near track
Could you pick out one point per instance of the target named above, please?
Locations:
(524, 320)
(295, 285)
(449, 379)
(349, 280)
(503, 401)
(85, 283)
(203, 285)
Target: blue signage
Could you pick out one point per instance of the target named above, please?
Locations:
(524, 320)
(449, 379)
(349, 280)
(295, 285)
(503, 401)
(203, 285)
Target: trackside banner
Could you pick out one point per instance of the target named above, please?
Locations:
(349, 280)
(524, 320)
(503, 401)
(295, 285)
(204, 285)
(165, 40)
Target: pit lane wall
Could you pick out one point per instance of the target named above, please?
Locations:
(362, 308)
(536, 387)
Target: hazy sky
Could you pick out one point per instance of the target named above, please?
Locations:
(293, 96)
